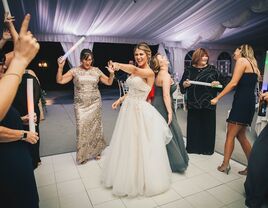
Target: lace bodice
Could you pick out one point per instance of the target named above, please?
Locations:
(138, 89)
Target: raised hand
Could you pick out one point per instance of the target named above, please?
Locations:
(26, 46)
(61, 62)
(110, 69)
(113, 65)
(9, 22)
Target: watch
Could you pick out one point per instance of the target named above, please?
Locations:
(24, 136)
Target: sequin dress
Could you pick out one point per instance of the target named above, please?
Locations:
(88, 113)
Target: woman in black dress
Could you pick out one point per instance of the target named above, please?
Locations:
(245, 78)
(201, 117)
(17, 182)
(20, 103)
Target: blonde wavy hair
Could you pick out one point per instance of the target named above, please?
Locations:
(154, 64)
(248, 53)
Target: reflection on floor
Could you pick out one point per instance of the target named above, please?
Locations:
(62, 183)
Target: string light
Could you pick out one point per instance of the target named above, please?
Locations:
(42, 64)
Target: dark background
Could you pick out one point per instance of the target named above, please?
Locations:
(103, 52)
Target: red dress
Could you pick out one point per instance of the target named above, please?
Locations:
(151, 94)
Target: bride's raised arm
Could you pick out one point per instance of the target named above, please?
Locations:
(131, 69)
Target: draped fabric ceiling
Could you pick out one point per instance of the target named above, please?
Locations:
(175, 24)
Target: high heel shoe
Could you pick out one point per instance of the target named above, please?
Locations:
(224, 169)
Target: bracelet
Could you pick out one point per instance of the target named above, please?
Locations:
(112, 75)
(23, 136)
(14, 74)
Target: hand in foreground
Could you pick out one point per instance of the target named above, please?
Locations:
(8, 19)
(25, 119)
(32, 137)
(116, 104)
(214, 101)
(26, 46)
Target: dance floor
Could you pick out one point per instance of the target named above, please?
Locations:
(64, 184)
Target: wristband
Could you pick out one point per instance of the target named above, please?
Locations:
(24, 136)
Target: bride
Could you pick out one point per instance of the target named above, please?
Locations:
(136, 162)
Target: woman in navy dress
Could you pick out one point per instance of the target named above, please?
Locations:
(256, 184)
(245, 78)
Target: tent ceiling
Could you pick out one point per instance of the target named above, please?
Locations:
(188, 22)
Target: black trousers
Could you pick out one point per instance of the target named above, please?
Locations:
(201, 129)
(256, 184)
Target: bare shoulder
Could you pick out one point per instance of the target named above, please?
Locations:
(242, 61)
(149, 71)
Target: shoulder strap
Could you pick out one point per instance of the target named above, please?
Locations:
(251, 65)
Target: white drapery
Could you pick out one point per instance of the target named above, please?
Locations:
(114, 21)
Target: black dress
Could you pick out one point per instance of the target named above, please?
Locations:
(256, 184)
(178, 158)
(20, 103)
(201, 117)
(243, 107)
(17, 182)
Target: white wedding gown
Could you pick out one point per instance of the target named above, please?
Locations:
(136, 162)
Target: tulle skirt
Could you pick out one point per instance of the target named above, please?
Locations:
(136, 162)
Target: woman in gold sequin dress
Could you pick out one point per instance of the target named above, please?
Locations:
(87, 105)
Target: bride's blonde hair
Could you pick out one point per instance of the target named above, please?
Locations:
(145, 47)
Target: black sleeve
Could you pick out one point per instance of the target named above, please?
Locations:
(184, 77)
(37, 90)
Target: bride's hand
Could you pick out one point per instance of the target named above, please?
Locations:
(113, 65)
(116, 104)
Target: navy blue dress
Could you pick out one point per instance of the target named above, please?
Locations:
(17, 182)
(256, 184)
(243, 107)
